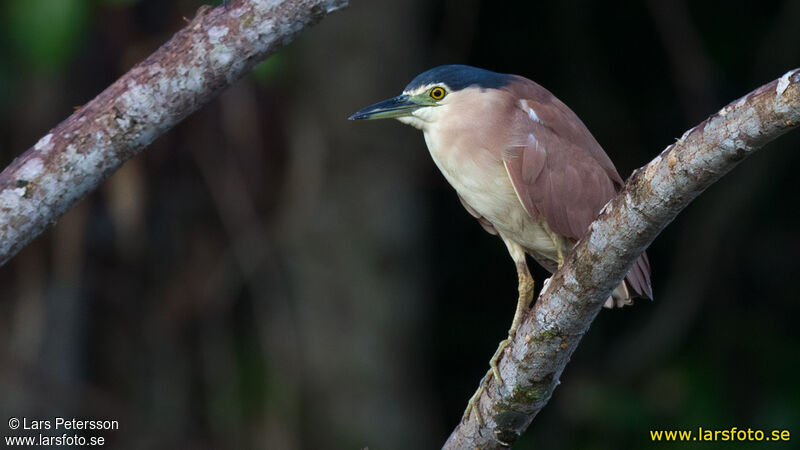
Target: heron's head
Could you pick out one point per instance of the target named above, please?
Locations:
(435, 93)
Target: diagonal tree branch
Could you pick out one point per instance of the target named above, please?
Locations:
(213, 51)
(651, 199)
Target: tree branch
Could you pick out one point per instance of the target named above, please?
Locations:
(213, 51)
(651, 199)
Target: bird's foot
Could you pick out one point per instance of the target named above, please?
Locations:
(496, 358)
(494, 371)
(472, 404)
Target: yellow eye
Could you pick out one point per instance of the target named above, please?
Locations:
(437, 93)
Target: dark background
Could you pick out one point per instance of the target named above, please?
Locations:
(270, 275)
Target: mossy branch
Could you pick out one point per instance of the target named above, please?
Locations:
(210, 53)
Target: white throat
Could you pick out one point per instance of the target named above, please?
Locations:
(420, 119)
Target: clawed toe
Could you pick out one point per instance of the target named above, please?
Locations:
(472, 405)
(496, 358)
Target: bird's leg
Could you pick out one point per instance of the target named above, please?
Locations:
(557, 243)
(525, 288)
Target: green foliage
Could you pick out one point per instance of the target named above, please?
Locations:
(119, 2)
(47, 32)
(271, 69)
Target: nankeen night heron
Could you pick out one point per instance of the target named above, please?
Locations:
(521, 162)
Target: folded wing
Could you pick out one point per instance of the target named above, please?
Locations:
(560, 172)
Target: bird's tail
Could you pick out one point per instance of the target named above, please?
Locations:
(636, 284)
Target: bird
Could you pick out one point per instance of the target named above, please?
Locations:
(522, 163)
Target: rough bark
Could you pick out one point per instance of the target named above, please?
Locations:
(214, 50)
(651, 199)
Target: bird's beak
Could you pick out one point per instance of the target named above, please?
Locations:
(399, 106)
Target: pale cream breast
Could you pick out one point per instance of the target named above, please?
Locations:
(462, 153)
